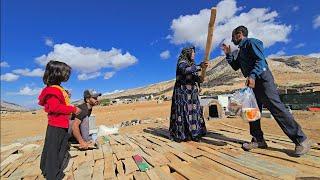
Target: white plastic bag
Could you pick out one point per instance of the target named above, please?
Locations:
(104, 130)
(243, 102)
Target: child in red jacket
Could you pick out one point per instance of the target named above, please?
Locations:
(56, 103)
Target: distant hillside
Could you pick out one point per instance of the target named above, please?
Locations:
(289, 71)
(11, 107)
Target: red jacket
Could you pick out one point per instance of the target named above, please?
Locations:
(54, 103)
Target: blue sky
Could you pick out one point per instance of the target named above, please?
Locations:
(116, 45)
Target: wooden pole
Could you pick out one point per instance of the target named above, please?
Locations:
(209, 40)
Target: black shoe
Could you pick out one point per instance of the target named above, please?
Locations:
(254, 144)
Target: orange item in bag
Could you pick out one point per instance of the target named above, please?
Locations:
(250, 114)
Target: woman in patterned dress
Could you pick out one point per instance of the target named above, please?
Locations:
(186, 119)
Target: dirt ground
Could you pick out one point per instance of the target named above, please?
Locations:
(15, 126)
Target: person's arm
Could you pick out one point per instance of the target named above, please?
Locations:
(230, 58)
(54, 106)
(77, 134)
(257, 54)
(186, 69)
(232, 61)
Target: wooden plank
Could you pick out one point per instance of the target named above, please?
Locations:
(97, 154)
(9, 147)
(89, 157)
(119, 166)
(267, 135)
(208, 171)
(35, 168)
(143, 141)
(282, 155)
(20, 172)
(8, 152)
(221, 168)
(181, 155)
(215, 156)
(125, 177)
(118, 138)
(69, 166)
(12, 158)
(106, 148)
(12, 167)
(109, 166)
(158, 173)
(154, 140)
(177, 176)
(129, 165)
(83, 172)
(166, 169)
(78, 160)
(35, 156)
(164, 137)
(140, 176)
(301, 169)
(124, 155)
(141, 163)
(113, 141)
(186, 171)
(34, 177)
(172, 157)
(98, 169)
(150, 160)
(156, 156)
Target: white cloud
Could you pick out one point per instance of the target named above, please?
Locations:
(295, 8)
(9, 77)
(165, 54)
(261, 23)
(113, 92)
(317, 55)
(27, 91)
(49, 42)
(88, 60)
(26, 72)
(108, 75)
(279, 53)
(316, 22)
(300, 45)
(4, 64)
(85, 76)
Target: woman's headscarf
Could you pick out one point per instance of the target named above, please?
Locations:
(185, 55)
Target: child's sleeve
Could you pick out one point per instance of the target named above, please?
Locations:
(54, 106)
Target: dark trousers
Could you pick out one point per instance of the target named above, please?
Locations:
(267, 96)
(53, 153)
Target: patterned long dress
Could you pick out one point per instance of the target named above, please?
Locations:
(186, 119)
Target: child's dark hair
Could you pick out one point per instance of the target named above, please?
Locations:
(56, 72)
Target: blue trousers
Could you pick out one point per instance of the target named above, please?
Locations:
(267, 96)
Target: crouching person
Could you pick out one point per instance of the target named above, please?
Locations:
(79, 125)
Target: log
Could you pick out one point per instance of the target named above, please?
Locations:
(209, 40)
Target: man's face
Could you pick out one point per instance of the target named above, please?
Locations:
(192, 55)
(93, 101)
(237, 37)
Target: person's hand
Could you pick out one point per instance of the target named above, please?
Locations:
(250, 82)
(78, 111)
(84, 145)
(204, 64)
(226, 49)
